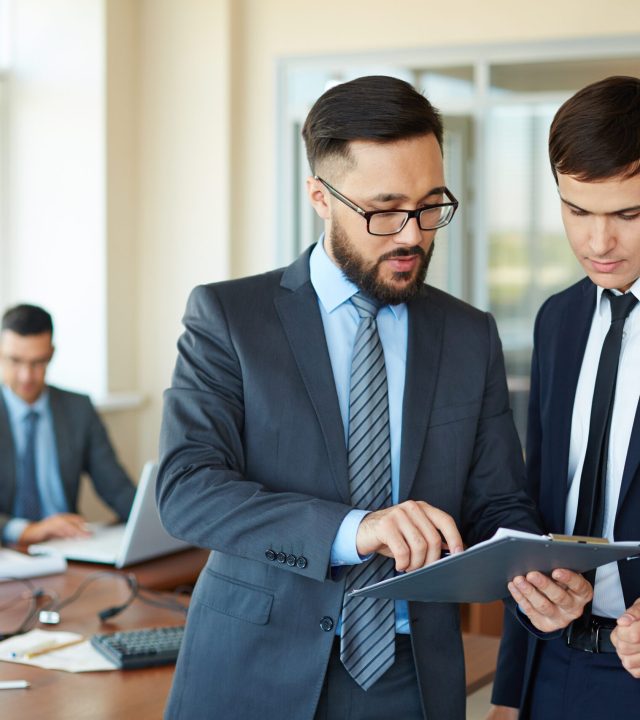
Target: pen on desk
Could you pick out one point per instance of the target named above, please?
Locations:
(41, 650)
(13, 684)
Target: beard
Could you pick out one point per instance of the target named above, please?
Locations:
(367, 277)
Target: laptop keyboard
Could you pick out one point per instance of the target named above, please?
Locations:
(140, 648)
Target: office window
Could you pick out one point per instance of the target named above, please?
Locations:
(506, 250)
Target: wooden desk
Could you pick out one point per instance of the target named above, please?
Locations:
(139, 694)
(116, 695)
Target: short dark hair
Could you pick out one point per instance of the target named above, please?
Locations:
(376, 107)
(595, 135)
(27, 320)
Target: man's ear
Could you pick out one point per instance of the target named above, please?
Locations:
(318, 198)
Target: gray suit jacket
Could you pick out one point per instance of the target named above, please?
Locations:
(83, 446)
(254, 466)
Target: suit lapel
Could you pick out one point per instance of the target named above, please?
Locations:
(633, 459)
(568, 354)
(8, 455)
(300, 316)
(424, 345)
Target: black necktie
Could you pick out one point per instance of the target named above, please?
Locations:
(27, 504)
(591, 501)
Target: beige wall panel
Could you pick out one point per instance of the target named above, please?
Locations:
(183, 175)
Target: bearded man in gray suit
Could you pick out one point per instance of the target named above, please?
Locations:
(259, 461)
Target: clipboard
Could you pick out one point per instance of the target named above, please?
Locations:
(481, 573)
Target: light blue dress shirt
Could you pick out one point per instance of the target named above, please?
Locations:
(340, 319)
(52, 495)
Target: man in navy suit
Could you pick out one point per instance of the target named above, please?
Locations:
(257, 452)
(48, 438)
(593, 669)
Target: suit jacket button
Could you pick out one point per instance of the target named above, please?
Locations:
(281, 557)
(270, 555)
(301, 562)
(291, 560)
(326, 623)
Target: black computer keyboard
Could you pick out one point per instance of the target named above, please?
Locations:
(140, 648)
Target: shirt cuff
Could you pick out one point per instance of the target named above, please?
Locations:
(13, 529)
(343, 550)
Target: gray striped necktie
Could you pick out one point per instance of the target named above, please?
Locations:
(367, 646)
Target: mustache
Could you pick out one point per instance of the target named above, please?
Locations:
(403, 252)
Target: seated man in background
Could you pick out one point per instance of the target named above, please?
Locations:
(48, 437)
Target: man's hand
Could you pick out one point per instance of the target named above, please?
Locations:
(408, 532)
(502, 712)
(626, 639)
(62, 525)
(551, 603)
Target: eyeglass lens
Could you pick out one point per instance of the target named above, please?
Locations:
(388, 223)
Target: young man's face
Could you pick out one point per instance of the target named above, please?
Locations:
(24, 360)
(400, 175)
(602, 222)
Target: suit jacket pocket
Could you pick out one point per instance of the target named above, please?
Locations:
(454, 413)
(234, 598)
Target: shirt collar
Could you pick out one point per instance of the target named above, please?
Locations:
(332, 286)
(635, 289)
(18, 408)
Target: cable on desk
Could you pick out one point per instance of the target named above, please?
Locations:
(167, 603)
(52, 615)
(49, 611)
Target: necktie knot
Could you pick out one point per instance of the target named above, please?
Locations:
(366, 306)
(621, 305)
(32, 417)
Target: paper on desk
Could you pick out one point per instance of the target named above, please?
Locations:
(82, 657)
(18, 565)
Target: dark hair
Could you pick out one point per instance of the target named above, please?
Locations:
(27, 320)
(595, 135)
(376, 107)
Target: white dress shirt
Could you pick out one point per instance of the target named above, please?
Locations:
(608, 599)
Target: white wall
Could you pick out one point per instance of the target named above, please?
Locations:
(55, 245)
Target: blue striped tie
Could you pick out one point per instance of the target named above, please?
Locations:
(27, 503)
(367, 645)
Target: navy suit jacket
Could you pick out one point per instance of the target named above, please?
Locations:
(560, 338)
(83, 446)
(254, 466)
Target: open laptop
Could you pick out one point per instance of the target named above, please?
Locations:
(142, 537)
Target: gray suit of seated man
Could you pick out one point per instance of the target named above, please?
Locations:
(48, 438)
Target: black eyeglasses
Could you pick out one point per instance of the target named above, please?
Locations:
(390, 222)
